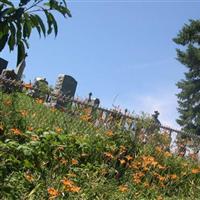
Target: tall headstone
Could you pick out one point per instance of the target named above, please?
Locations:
(66, 85)
(3, 64)
(9, 74)
(20, 69)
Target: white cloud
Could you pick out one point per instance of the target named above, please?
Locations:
(165, 104)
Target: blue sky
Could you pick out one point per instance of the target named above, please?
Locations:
(121, 51)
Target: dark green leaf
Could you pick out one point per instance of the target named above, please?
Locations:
(54, 24)
(1, 6)
(6, 12)
(27, 26)
(7, 2)
(49, 21)
(26, 43)
(61, 9)
(3, 29)
(21, 52)
(35, 23)
(11, 41)
(41, 24)
(23, 2)
(3, 41)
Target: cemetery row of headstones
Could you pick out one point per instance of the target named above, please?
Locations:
(64, 90)
(64, 93)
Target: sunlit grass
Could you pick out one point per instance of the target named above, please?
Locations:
(49, 154)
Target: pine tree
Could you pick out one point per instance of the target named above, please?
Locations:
(189, 96)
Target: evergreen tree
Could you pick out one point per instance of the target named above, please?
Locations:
(189, 96)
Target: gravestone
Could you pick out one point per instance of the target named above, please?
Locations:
(9, 84)
(66, 86)
(3, 64)
(20, 69)
(9, 74)
(93, 102)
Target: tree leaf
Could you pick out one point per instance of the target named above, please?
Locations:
(21, 51)
(3, 29)
(49, 22)
(11, 40)
(3, 41)
(7, 2)
(27, 26)
(6, 11)
(54, 23)
(35, 23)
(41, 24)
(23, 2)
(58, 7)
(26, 43)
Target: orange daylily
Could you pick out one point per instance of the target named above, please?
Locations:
(128, 157)
(137, 177)
(24, 113)
(63, 161)
(29, 177)
(109, 133)
(16, 131)
(122, 161)
(73, 189)
(7, 102)
(39, 101)
(159, 198)
(74, 162)
(70, 185)
(146, 184)
(195, 171)
(173, 176)
(123, 188)
(158, 149)
(85, 117)
(28, 85)
(35, 137)
(161, 167)
(122, 148)
(161, 178)
(53, 192)
(67, 182)
(167, 154)
(109, 155)
(30, 128)
(59, 130)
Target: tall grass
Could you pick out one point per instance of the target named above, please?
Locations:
(49, 154)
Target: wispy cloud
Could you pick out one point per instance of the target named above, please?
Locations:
(166, 104)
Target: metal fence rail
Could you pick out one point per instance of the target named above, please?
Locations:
(102, 116)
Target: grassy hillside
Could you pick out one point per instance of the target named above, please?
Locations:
(48, 154)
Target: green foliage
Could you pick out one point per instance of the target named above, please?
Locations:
(48, 154)
(17, 21)
(43, 89)
(189, 96)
